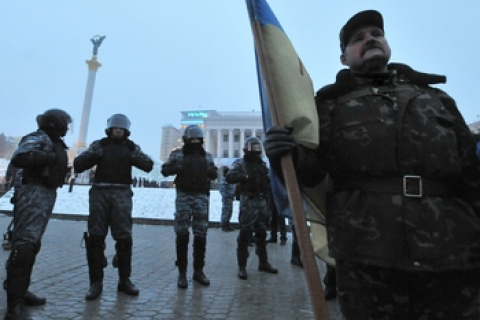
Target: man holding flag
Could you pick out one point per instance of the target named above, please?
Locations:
(403, 216)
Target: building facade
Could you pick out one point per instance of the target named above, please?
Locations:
(475, 127)
(224, 132)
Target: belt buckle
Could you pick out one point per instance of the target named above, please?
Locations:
(409, 178)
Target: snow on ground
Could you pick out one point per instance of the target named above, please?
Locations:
(149, 203)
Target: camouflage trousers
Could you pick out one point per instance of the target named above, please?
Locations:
(253, 216)
(32, 212)
(191, 209)
(110, 207)
(227, 210)
(375, 293)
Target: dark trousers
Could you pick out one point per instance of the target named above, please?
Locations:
(370, 293)
(277, 223)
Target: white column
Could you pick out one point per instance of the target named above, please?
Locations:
(230, 143)
(207, 140)
(93, 66)
(242, 140)
(219, 140)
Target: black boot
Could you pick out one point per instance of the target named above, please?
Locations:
(115, 261)
(124, 254)
(95, 259)
(94, 291)
(330, 293)
(17, 312)
(199, 248)
(295, 260)
(125, 285)
(226, 227)
(33, 300)
(30, 299)
(243, 241)
(330, 281)
(242, 273)
(182, 250)
(19, 269)
(264, 265)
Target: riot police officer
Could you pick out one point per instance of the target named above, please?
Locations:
(251, 175)
(194, 169)
(110, 202)
(42, 156)
(227, 191)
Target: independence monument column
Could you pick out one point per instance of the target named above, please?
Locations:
(93, 66)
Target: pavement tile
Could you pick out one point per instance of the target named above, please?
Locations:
(61, 275)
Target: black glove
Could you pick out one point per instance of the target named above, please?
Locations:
(279, 141)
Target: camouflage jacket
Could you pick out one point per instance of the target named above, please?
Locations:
(374, 132)
(250, 173)
(114, 160)
(226, 189)
(194, 169)
(43, 159)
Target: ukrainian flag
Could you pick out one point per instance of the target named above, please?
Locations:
(286, 93)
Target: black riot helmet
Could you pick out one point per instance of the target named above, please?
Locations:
(54, 121)
(193, 134)
(118, 120)
(252, 145)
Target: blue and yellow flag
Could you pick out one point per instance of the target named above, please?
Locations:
(285, 83)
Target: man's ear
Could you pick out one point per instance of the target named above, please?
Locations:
(343, 60)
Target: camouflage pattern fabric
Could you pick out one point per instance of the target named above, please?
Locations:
(227, 191)
(32, 212)
(375, 293)
(253, 219)
(390, 129)
(253, 213)
(191, 209)
(110, 206)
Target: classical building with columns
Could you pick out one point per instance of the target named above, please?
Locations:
(475, 127)
(224, 131)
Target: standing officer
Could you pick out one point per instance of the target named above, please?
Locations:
(42, 156)
(195, 169)
(251, 173)
(227, 191)
(110, 201)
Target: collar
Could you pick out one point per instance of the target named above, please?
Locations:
(346, 81)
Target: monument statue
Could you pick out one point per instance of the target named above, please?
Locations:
(97, 41)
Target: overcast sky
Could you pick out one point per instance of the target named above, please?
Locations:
(161, 57)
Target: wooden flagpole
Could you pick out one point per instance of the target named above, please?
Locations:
(312, 273)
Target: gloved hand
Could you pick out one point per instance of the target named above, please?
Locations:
(279, 141)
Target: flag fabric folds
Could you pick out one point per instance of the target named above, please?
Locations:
(292, 88)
